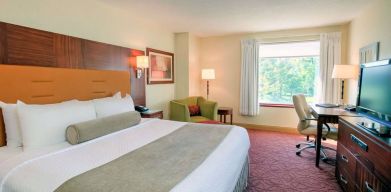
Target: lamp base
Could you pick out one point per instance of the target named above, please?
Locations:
(342, 90)
(139, 73)
(207, 90)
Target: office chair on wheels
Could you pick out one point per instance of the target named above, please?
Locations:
(305, 127)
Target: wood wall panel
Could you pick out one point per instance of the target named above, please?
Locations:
(30, 46)
(2, 42)
(97, 55)
(25, 46)
(61, 48)
(138, 84)
(75, 53)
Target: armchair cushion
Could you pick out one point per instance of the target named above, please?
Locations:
(197, 119)
(194, 110)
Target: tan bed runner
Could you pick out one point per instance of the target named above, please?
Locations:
(157, 166)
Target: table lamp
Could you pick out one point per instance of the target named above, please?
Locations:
(142, 63)
(208, 74)
(344, 72)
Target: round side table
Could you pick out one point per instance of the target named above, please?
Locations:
(223, 112)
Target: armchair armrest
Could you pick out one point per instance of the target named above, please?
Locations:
(310, 118)
(209, 109)
(314, 119)
(179, 112)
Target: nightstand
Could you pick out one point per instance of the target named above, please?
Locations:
(152, 114)
(223, 112)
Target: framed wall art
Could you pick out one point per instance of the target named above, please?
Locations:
(161, 67)
(369, 53)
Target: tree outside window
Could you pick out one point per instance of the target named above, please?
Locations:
(287, 69)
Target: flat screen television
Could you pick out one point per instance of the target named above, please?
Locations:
(374, 98)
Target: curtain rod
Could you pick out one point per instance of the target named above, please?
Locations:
(288, 39)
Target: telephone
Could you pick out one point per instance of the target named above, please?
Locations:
(350, 108)
(140, 108)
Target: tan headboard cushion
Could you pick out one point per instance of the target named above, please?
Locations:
(42, 85)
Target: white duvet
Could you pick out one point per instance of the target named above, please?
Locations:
(47, 168)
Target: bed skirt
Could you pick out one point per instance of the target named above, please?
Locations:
(241, 185)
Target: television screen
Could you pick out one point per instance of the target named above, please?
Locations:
(375, 91)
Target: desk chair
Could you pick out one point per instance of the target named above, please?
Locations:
(305, 127)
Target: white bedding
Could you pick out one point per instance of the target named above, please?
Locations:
(8, 153)
(47, 168)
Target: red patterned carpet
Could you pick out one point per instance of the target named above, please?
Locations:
(274, 165)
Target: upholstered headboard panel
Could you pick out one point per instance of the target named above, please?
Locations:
(42, 85)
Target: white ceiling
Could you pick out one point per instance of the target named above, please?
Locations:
(219, 17)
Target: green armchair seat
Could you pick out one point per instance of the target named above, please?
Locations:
(179, 110)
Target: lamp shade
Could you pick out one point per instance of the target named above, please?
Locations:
(345, 72)
(208, 74)
(142, 62)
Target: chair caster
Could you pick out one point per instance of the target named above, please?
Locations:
(298, 153)
(298, 146)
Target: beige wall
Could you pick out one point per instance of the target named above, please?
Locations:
(188, 69)
(182, 65)
(223, 53)
(194, 66)
(374, 24)
(97, 21)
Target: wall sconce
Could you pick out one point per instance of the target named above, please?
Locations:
(142, 63)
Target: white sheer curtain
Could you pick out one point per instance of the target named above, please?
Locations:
(330, 54)
(249, 78)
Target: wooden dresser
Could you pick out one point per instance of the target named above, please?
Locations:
(363, 159)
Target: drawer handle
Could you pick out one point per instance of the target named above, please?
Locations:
(342, 178)
(369, 187)
(360, 143)
(344, 158)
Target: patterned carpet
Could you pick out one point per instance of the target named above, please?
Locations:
(274, 165)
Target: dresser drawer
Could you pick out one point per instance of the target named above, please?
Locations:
(366, 181)
(345, 180)
(375, 157)
(346, 160)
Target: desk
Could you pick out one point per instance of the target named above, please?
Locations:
(326, 115)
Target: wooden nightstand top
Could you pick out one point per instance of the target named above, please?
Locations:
(224, 110)
(152, 114)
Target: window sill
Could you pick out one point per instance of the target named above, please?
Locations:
(276, 105)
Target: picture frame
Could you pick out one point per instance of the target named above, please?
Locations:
(369, 53)
(161, 67)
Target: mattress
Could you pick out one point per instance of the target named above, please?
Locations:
(47, 168)
(9, 153)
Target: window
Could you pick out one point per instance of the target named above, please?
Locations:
(286, 69)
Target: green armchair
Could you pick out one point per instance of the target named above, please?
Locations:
(179, 110)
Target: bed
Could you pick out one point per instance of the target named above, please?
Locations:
(161, 155)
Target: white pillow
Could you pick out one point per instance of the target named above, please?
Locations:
(111, 106)
(117, 95)
(44, 125)
(12, 129)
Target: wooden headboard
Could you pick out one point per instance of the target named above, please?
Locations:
(42, 85)
(26, 46)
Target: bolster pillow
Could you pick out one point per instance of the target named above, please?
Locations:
(85, 131)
